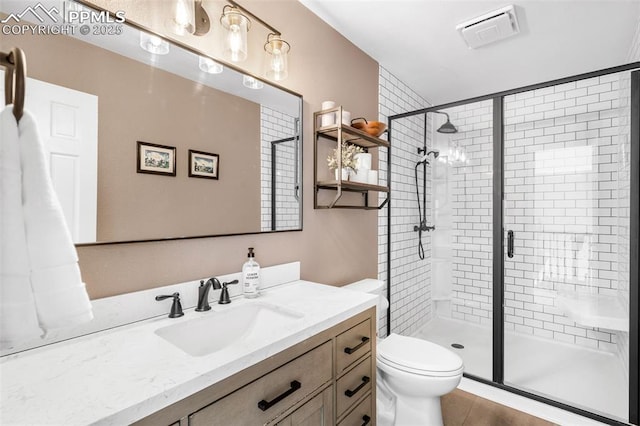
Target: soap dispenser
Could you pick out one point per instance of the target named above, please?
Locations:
(251, 276)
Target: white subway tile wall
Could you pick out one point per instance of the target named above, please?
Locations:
(275, 126)
(472, 214)
(561, 170)
(410, 276)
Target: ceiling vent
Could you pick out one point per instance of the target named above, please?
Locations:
(490, 27)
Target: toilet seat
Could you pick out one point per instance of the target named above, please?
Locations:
(418, 356)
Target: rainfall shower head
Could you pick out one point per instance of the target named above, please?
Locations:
(446, 127)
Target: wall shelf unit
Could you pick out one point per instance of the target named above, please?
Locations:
(335, 134)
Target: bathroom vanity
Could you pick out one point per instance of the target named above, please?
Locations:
(307, 356)
(324, 380)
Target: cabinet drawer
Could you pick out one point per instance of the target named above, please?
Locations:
(275, 392)
(361, 415)
(318, 411)
(352, 345)
(353, 385)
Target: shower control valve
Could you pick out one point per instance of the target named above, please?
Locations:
(423, 228)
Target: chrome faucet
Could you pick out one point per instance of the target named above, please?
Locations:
(203, 293)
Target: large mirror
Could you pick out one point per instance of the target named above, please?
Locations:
(148, 146)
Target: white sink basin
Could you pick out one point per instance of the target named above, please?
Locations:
(218, 329)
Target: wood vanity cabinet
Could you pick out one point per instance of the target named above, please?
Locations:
(328, 379)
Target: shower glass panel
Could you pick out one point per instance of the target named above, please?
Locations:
(283, 190)
(409, 276)
(566, 228)
(461, 244)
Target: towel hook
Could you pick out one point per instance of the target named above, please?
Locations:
(15, 78)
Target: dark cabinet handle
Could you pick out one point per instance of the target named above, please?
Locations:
(350, 393)
(510, 244)
(355, 348)
(366, 419)
(265, 405)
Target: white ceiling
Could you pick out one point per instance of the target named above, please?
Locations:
(416, 41)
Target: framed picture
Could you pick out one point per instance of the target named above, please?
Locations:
(203, 164)
(156, 159)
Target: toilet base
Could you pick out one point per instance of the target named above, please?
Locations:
(407, 411)
(418, 411)
(410, 412)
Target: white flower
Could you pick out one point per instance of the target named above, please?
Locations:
(348, 153)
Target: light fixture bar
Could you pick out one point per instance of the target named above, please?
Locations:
(235, 4)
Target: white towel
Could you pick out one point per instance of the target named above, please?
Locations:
(18, 318)
(60, 295)
(41, 287)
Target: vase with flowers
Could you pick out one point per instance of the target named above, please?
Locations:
(349, 163)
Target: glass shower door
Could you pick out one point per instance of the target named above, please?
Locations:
(462, 242)
(566, 298)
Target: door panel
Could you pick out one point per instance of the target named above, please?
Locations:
(68, 125)
(565, 304)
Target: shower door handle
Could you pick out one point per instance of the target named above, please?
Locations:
(510, 243)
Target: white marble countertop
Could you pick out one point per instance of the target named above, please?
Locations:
(121, 375)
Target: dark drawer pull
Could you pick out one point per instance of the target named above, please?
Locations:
(366, 419)
(350, 393)
(265, 405)
(355, 348)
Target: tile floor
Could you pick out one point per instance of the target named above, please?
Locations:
(460, 408)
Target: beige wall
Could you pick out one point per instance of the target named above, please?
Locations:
(137, 102)
(335, 246)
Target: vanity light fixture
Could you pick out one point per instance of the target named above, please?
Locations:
(276, 57)
(209, 66)
(153, 44)
(183, 18)
(456, 154)
(236, 26)
(252, 83)
(189, 17)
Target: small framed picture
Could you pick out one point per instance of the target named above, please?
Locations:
(203, 164)
(156, 159)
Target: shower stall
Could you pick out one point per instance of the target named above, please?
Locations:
(531, 272)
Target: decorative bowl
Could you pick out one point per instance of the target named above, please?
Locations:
(374, 128)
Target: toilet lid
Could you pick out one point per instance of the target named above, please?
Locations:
(421, 356)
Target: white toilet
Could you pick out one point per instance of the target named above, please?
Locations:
(412, 373)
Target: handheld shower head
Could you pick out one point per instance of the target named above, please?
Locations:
(425, 158)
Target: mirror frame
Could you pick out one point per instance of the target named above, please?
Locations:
(190, 49)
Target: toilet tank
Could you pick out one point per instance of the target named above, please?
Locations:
(372, 286)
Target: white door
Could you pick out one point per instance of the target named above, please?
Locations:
(68, 125)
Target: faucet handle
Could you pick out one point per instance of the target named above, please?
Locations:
(224, 296)
(176, 306)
